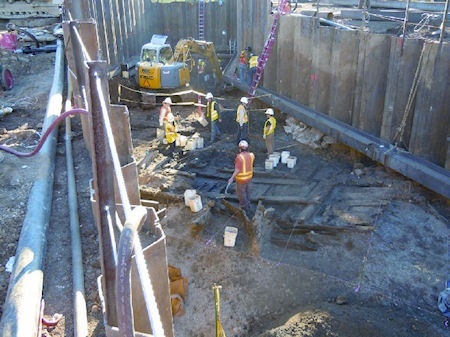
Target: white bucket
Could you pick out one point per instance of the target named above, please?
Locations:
(195, 203)
(200, 143)
(284, 156)
(277, 156)
(182, 140)
(275, 159)
(269, 164)
(229, 237)
(188, 195)
(291, 161)
(191, 144)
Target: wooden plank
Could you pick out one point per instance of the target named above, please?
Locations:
(302, 59)
(285, 53)
(321, 75)
(432, 109)
(372, 69)
(343, 71)
(403, 60)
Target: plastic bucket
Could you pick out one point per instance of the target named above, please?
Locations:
(275, 159)
(191, 144)
(200, 143)
(229, 236)
(195, 203)
(182, 140)
(269, 164)
(188, 195)
(277, 156)
(284, 156)
(291, 161)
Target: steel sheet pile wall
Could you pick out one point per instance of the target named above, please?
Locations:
(365, 80)
(124, 26)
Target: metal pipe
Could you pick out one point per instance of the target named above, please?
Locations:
(21, 311)
(444, 21)
(424, 172)
(79, 302)
(334, 24)
(425, 6)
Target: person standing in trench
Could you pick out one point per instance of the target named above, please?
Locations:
(242, 120)
(243, 173)
(269, 130)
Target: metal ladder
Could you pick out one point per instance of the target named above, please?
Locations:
(201, 20)
(263, 58)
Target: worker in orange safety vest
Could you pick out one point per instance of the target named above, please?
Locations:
(243, 173)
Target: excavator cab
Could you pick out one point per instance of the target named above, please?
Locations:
(156, 69)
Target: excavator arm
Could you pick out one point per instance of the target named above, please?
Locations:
(185, 48)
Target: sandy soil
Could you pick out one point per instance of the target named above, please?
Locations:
(369, 261)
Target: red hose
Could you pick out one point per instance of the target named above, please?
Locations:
(46, 134)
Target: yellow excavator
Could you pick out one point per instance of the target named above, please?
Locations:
(193, 62)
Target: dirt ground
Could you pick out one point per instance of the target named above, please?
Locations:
(354, 250)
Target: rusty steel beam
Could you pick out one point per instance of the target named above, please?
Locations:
(428, 174)
(103, 189)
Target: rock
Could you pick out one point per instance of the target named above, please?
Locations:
(340, 300)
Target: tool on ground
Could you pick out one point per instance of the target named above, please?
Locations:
(226, 188)
(225, 193)
(219, 329)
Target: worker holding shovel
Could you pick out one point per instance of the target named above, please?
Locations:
(243, 173)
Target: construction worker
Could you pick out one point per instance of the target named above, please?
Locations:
(242, 119)
(171, 133)
(165, 110)
(243, 173)
(212, 113)
(252, 64)
(243, 64)
(269, 130)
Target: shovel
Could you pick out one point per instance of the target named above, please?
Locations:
(225, 193)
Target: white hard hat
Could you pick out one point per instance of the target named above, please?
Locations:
(168, 100)
(209, 95)
(243, 144)
(244, 100)
(170, 118)
(269, 111)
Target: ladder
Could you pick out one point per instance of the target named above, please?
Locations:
(263, 58)
(201, 20)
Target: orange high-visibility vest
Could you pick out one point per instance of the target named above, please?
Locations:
(244, 161)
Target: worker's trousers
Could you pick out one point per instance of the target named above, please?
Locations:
(269, 143)
(215, 131)
(243, 72)
(243, 194)
(242, 132)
